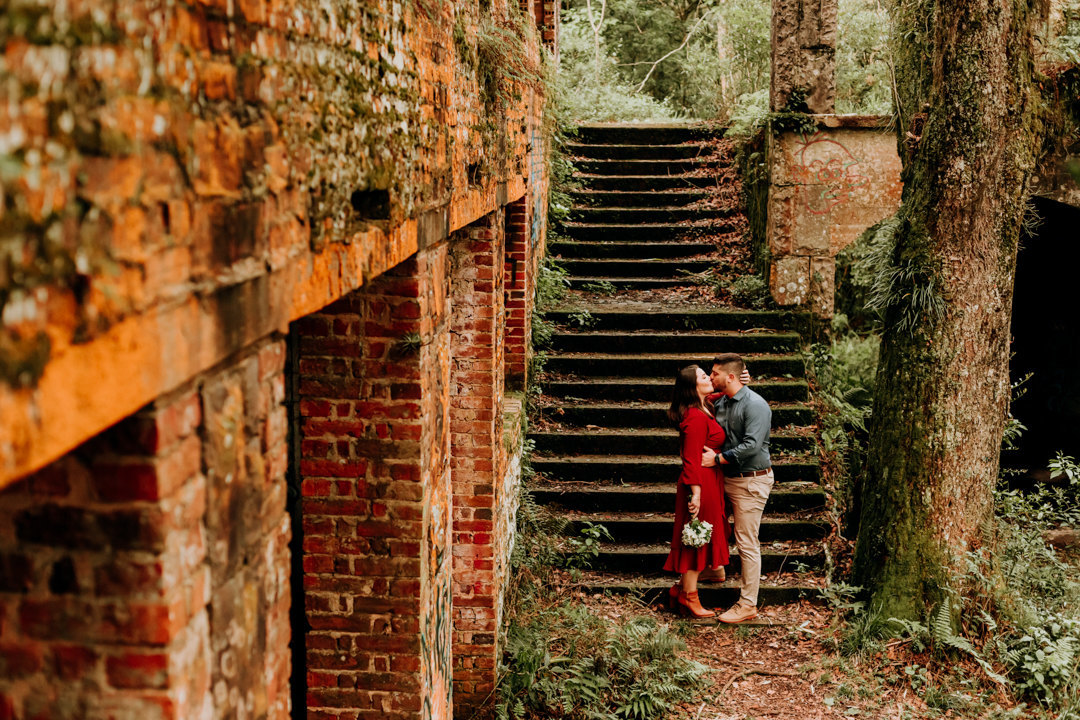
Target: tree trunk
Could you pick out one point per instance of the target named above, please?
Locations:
(968, 138)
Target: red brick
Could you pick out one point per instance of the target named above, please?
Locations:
(73, 662)
(143, 671)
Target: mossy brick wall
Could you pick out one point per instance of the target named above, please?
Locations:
(826, 187)
(182, 179)
(408, 488)
(145, 574)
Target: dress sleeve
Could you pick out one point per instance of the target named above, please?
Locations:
(695, 431)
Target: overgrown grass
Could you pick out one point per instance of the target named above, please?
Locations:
(561, 659)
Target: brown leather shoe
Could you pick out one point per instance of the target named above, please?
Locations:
(689, 604)
(738, 613)
(718, 575)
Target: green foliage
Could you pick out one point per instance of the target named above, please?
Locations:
(750, 113)
(1045, 660)
(600, 287)
(1017, 612)
(593, 89)
(552, 282)
(877, 277)
(705, 59)
(843, 372)
(585, 548)
(408, 344)
(1064, 42)
(583, 319)
(857, 268)
(750, 291)
(502, 60)
(845, 369)
(863, 59)
(565, 661)
(536, 543)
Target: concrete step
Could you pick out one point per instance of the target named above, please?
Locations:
(628, 528)
(643, 441)
(659, 232)
(641, 318)
(644, 469)
(636, 268)
(645, 133)
(663, 365)
(628, 151)
(589, 283)
(681, 341)
(648, 215)
(650, 183)
(719, 596)
(650, 558)
(623, 415)
(659, 389)
(626, 250)
(648, 167)
(657, 198)
(592, 497)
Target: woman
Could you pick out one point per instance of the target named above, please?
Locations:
(700, 491)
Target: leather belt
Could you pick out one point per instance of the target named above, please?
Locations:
(752, 473)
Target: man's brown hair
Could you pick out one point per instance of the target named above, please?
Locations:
(730, 362)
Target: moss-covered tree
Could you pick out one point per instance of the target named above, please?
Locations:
(969, 136)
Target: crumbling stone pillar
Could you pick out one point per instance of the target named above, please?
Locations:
(374, 443)
(517, 293)
(477, 455)
(142, 575)
(804, 54)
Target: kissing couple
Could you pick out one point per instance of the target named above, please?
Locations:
(726, 469)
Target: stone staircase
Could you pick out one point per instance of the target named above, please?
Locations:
(604, 451)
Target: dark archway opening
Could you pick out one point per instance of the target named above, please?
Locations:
(1046, 337)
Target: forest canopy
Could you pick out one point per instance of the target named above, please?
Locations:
(703, 59)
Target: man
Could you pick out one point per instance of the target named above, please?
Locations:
(748, 476)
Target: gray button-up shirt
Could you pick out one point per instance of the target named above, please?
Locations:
(746, 419)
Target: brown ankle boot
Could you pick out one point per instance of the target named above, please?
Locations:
(690, 605)
(673, 597)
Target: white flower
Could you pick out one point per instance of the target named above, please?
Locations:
(696, 533)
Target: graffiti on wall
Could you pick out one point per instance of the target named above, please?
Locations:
(436, 622)
(536, 176)
(828, 172)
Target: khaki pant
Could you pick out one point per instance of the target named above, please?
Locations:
(746, 498)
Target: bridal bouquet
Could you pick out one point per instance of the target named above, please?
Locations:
(696, 533)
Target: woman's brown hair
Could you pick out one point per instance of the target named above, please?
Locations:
(684, 394)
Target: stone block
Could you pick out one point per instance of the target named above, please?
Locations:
(790, 281)
(822, 286)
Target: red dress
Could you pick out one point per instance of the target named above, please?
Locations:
(696, 431)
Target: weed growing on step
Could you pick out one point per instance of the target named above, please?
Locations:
(600, 287)
(586, 546)
(582, 319)
(750, 291)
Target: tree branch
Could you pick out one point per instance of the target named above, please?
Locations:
(684, 42)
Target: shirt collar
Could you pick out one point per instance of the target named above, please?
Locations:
(739, 395)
